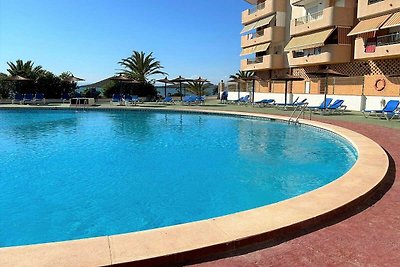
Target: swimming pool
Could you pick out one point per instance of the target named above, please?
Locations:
(71, 175)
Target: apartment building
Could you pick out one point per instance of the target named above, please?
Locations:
(358, 38)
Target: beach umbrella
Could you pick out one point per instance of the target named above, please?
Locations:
(201, 82)
(180, 80)
(238, 81)
(73, 79)
(253, 78)
(17, 79)
(122, 79)
(286, 78)
(326, 72)
(165, 81)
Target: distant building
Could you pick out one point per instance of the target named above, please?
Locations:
(358, 38)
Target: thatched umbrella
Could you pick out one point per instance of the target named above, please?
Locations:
(201, 83)
(181, 80)
(122, 79)
(165, 81)
(17, 79)
(326, 72)
(286, 78)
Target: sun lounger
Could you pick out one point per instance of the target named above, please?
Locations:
(17, 98)
(337, 106)
(388, 112)
(116, 98)
(189, 100)
(39, 97)
(127, 100)
(323, 105)
(243, 100)
(27, 98)
(265, 102)
(136, 99)
(166, 100)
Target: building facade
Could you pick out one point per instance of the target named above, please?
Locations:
(358, 38)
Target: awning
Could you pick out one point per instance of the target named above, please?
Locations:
(255, 49)
(249, 27)
(369, 25)
(308, 41)
(247, 51)
(257, 24)
(393, 21)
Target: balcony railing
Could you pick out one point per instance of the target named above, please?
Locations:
(257, 8)
(309, 18)
(255, 60)
(389, 39)
(370, 2)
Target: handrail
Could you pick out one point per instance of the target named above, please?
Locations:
(255, 60)
(302, 109)
(309, 18)
(256, 8)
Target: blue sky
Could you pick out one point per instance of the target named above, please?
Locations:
(88, 38)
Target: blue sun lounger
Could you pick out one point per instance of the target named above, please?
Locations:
(337, 106)
(166, 100)
(189, 99)
(39, 97)
(17, 98)
(27, 98)
(243, 100)
(116, 98)
(323, 105)
(265, 102)
(388, 112)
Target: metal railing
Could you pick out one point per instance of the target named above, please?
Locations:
(255, 60)
(256, 8)
(389, 39)
(309, 18)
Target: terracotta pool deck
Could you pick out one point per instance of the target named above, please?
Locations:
(367, 235)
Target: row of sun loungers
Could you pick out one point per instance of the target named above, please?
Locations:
(29, 98)
(125, 99)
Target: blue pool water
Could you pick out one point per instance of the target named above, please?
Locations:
(68, 175)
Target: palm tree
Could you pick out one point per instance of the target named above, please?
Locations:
(26, 69)
(242, 75)
(139, 66)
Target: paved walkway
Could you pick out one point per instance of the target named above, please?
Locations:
(368, 235)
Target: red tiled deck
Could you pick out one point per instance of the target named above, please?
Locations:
(367, 235)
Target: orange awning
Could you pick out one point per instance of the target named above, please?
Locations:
(369, 25)
(393, 21)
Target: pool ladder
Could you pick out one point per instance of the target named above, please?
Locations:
(81, 105)
(297, 112)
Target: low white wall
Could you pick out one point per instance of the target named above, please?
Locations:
(356, 103)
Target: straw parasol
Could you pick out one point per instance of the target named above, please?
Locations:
(286, 78)
(326, 72)
(17, 79)
(180, 80)
(165, 81)
(122, 79)
(201, 82)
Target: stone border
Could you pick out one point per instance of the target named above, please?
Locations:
(180, 243)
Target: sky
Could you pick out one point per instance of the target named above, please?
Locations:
(189, 37)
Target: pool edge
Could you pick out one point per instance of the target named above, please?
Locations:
(177, 244)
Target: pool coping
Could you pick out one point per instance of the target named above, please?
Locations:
(180, 243)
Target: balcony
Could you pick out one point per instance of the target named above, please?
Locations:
(267, 62)
(328, 54)
(275, 34)
(331, 16)
(262, 10)
(387, 46)
(371, 8)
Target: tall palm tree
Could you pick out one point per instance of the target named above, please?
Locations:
(140, 66)
(26, 69)
(242, 75)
